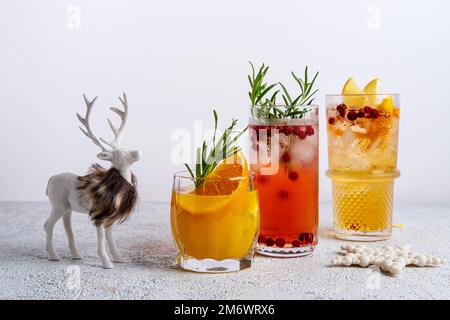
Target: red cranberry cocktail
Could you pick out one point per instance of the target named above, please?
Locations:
(284, 156)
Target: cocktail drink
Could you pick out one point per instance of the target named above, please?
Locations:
(215, 211)
(362, 128)
(214, 232)
(284, 157)
(286, 166)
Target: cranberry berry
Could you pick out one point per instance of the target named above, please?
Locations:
(331, 120)
(303, 237)
(261, 239)
(287, 130)
(286, 157)
(352, 116)
(306, 237)
(297, 130)
(262, 179)
(367, 109)
(280, 242)
(341, 109)
(374, 114)
(270, 242)
(361, 114)
(283, 194)
(309, 130)
(293, 175)
(295, 243)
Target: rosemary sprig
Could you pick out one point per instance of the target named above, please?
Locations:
(208, 158)
(305, 97)
(267, 107)
(259, 88)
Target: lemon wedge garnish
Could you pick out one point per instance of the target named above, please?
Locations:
(368, 96)
(351, 88)
(371, 89)
(386, 105)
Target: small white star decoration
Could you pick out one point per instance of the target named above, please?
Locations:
(390, 259)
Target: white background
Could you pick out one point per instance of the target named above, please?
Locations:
(178, 59)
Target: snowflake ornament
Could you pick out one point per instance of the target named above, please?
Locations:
(391, 259)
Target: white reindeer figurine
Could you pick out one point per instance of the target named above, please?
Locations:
(107, 195)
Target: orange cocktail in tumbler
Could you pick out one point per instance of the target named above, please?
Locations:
(215, 224)
(214, 211)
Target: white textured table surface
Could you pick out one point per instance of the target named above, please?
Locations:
(146, 242)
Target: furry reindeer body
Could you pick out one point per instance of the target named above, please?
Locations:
(111, 197)
(107, 195)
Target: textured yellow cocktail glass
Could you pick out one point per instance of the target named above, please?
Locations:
(362, 153)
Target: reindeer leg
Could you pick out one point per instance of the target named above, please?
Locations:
(106, 263)
(67, 219)
(55, 215)
(116, 257)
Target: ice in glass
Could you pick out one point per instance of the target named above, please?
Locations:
(286, 170)
(362, 127)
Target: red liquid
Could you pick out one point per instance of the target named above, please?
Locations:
(288, 197)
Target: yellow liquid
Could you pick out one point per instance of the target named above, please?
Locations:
(363, 166)
(215, 227)
(362, 203)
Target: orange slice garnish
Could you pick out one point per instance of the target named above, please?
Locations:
(221, 186)
(226, 178)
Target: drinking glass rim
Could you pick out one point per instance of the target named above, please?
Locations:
(304, 106)
(361, 94)
(184, 174)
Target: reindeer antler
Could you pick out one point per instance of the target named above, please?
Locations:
(85, 121)
(118, 131)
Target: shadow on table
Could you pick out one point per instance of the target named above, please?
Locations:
(327, 232)
(152, 253)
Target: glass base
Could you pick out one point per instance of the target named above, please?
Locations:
(214, 266)
(362, 236)
(362, 205)
(284, 252)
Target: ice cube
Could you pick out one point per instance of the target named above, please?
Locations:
(357, 161)
(303, 152)
(284, 139)
(264, 153)
(358, 128)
